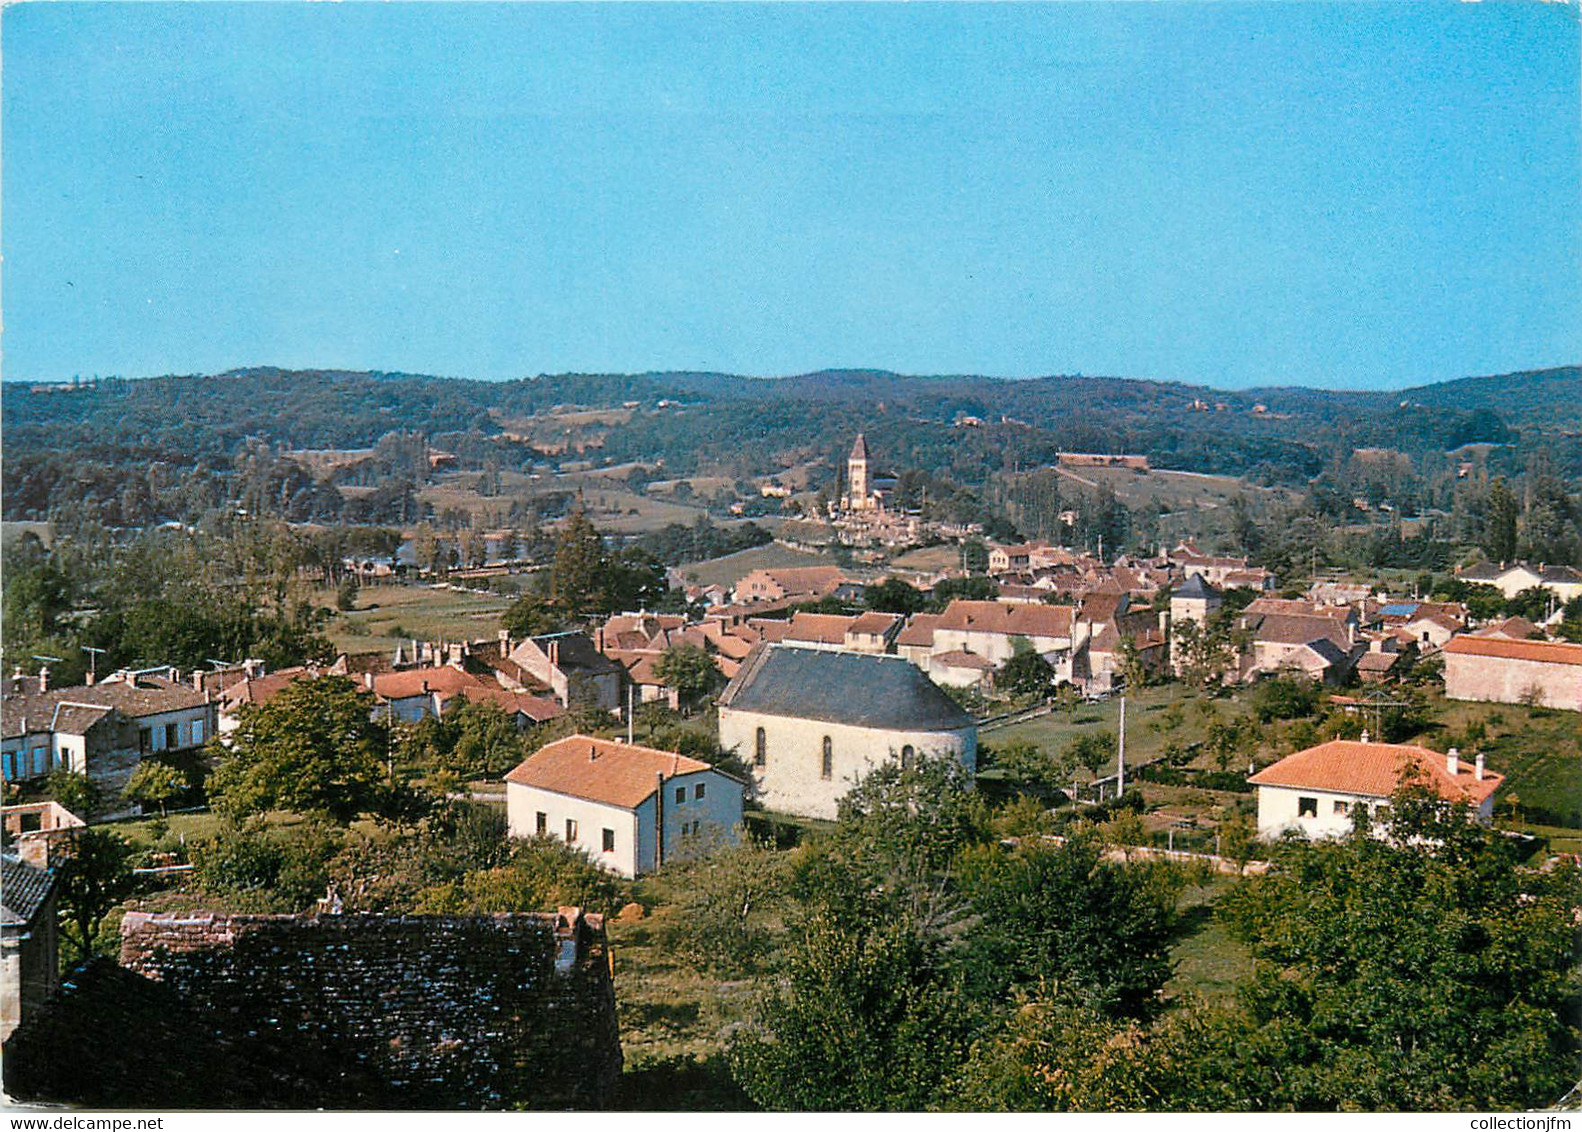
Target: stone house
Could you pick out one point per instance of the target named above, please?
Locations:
(811, 724)
(29, 945)
(780, 583)
(573, 669)
(629, 808)
(1546, 673)
(1316, 791)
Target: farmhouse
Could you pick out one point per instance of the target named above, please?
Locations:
(1542, 673)
(1565, 582)
(1316, 791)
(629, 808)
(810, 724)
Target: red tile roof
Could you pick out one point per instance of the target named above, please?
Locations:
(823, 628)
(616, 774)
(874, 622)
(919, 630)
(417, 681)
(1546, 652)
(536, 708)
(1007, 619)
(1376, 770)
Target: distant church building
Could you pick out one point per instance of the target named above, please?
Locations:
(860, 495)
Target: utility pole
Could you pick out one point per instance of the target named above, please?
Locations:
(1120, 762)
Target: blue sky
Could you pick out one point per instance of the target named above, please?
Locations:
(1337, 195)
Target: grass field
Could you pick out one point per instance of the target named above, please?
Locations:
(1144, 708)
(1208, 959)
(929, 559)
(420, 611)
(732, 568)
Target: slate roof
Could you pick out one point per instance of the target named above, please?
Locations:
(23, 891)
(150, 695)
(616, 774)
(888, 693)
(1375, 770)
(576, 653)
(1195, 589)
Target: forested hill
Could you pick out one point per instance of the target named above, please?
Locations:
(754, 426)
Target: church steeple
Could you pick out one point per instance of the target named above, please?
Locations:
(857, 498)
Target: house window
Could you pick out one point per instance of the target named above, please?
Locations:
(9, 765)
(197, 731)
(907, 754)
(571, 830)
(543, 823)
(609, 841)
(697, 792)
(760, 748)
(827, 766)
(1342, 808)
(171, 742)
(40, 760)
(145, 740)
(1307, 807)
(681, 794)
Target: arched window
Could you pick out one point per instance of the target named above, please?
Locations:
(827, 769)
(906, 757)
(760, 748)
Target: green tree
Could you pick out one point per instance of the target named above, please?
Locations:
(1424, 970)
(864, 1019)
(1025, 672)
(1500, 516)
(577, 582)
(730, 902)
(77, 792)
(155, 784)
(894, 595)
(688, 670)
(530, 616)
(346, 594)
(92, 878)
(312, 749)
(1063, 912)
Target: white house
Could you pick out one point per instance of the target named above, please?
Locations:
(629, 808)
(811, 724)
(1318, 790)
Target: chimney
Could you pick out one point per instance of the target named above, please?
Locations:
(43, 679)
(600, 639)
(1164, 623)
(1452, 762)
(554, 653)
(368, 681)
(34, 850)
(1477, 767)
(1364, 734)
(197, 680)
(505, 642)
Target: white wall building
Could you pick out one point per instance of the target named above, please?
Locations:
(629, 808)
(811, 724)
(1317, 791)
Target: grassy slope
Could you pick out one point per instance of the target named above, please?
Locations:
(731, 568)
(428, 614)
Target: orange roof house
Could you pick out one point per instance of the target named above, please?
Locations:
(629, 808)
(1317, 790)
